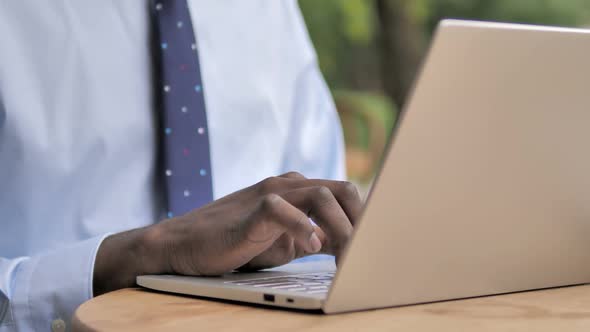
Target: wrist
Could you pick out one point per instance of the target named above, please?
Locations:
(123, 256)
(151, 251)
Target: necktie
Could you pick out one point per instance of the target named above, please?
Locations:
(186, 142)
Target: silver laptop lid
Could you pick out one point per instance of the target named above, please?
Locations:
(486, 187)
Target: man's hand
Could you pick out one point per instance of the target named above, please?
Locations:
(262, 226)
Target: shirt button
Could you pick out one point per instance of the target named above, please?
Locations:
(58, 325)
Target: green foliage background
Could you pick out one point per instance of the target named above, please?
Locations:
(344, 31)
(345, 34)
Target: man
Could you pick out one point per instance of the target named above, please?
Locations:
(117, 114)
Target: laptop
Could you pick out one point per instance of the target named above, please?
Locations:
(484, 189)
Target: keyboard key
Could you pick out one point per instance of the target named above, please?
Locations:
(270, 284)
(300, 289)
(317, 287)
(287, 286)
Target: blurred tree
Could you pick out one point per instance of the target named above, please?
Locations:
(369, 49)
(402, 44)
(343, 32)
(349, 35)
(545, 12)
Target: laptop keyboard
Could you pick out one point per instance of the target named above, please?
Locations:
(309, 283)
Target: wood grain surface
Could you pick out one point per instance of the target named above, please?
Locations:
(559, 309)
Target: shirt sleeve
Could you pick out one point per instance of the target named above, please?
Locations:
(37, 291)
(315, 146)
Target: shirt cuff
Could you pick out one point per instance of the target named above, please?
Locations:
(52, 285)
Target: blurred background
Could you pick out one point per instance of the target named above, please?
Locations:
(369, 52)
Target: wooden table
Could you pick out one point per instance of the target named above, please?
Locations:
(560, 309)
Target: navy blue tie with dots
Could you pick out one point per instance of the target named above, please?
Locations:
(186, 138)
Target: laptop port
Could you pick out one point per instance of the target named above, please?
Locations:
(290, 300)
(269, 297)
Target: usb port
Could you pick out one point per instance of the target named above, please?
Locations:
(269, 298)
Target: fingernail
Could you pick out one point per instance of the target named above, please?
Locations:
(315, 243)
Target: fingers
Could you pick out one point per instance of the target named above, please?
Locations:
(345, 193)
(322, 206)
(287, 202)
(281, 252)
(293, 175)
(275, 217)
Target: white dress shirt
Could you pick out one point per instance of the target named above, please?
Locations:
(78, 130)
